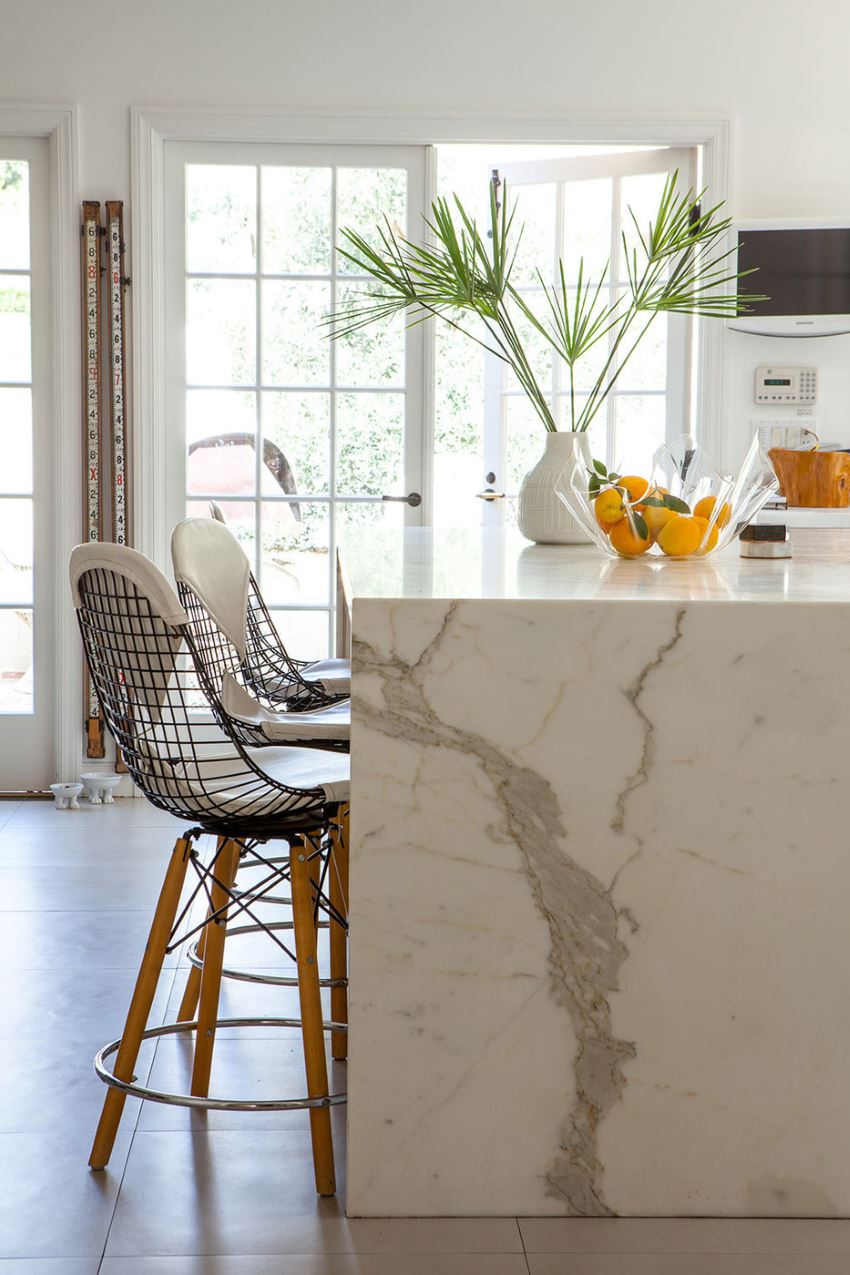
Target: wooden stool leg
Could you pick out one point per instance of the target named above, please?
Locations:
(140, 1005)
(192, 991)
(225, 871)
(312, 1032)
(338, 891)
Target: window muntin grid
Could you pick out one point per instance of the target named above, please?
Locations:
(296, 437)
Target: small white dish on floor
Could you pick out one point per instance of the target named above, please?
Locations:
(66, 796)
(100, 787)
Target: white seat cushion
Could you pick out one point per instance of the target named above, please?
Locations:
(332, 723)
(307, 768)
(221, 782)
(334, 676)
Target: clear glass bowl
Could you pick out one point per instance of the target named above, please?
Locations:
(636, 519)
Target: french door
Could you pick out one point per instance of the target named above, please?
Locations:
(296, 437)
(26, 606)
(575, 207)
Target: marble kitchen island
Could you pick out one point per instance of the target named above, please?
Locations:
(600, 879)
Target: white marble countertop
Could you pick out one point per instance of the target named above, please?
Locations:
(421, 562)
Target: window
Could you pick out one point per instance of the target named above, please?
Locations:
(296, 437)
(16, 438)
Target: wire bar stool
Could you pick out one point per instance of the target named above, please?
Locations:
(212, 575)
(135, 633)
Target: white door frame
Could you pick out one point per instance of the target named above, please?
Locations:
(153, 126)
(59, 125)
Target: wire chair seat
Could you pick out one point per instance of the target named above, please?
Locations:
(328, 724)
(219, 790)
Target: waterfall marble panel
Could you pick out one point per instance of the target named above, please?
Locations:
(600, 882)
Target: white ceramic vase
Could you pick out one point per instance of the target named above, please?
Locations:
(541, 515)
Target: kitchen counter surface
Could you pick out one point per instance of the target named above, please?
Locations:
(421, 562)
(599, 880)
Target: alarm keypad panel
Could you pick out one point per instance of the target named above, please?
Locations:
(791, 385)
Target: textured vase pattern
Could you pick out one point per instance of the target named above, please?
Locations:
(541, 514)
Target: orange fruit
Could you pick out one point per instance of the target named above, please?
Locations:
(609, 508)
(705, 508)
(627, 542)
(657, 518)
(713, 537)
(606, 526)
(681, 536)
(635, 486)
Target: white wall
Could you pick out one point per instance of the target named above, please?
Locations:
(779, 67)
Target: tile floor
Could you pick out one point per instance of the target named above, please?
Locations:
(232, 1194)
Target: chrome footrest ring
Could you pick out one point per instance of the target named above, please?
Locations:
(245, 976)
(214, 1104)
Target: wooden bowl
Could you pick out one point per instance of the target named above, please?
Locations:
(812, 480)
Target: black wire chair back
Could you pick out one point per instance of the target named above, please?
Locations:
(269, 669)
(141, 656)
(209, 560)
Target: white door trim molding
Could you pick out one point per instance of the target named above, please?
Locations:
(59, 125)
(153, 126)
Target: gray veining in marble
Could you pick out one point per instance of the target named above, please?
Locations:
(585, 951)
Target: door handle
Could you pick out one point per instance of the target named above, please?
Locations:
(413, 499)
(489, 495)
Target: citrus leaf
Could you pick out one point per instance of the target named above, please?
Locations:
(600, 468)
(677, 505)
(641, 527)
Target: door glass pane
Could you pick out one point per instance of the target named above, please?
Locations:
(220, 428)
(15, 354)
(371, 356)
(524, 441)
(16, 683)
(305, 634)
(587, 227)
(220, 331)
(296, 346)
(16, 440)
(240, 516)
(367, 198)
(639, 431)
(298, 426)
(458, 429)
(14, 215)
(16, 557)
(370, 444)
(537, 348)
(294, 566)
(221, 218)
(647, 367)
(353, 514)
(535, 216)
(296, 220)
